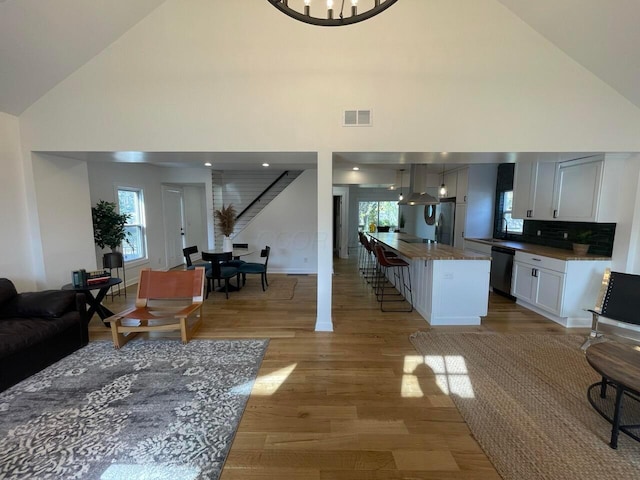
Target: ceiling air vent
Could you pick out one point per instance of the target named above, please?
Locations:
(357, 118)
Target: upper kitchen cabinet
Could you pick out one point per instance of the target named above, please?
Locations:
(451, 180)
(580, 190)
(463, 186)
(475, 199)
(586, 189)
(533, 190)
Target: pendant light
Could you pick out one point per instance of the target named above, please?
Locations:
(401, 197)
(443, 188)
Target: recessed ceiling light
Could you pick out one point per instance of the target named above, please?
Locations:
(208, 164)
(356, 168)
(265, 164)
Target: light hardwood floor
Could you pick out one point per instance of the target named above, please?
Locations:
(338, 405)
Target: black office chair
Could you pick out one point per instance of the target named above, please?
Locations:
(254, 267)
(219, 270)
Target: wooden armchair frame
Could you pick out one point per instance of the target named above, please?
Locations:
(160, 305)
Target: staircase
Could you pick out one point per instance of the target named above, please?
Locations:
(242, 188)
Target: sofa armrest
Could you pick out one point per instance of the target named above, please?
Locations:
(44, 304)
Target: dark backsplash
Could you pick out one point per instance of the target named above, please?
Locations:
(552, 232)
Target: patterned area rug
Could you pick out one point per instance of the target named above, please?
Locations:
(155, 409)
(524, 397)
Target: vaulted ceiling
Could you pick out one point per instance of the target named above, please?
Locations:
(43, 42)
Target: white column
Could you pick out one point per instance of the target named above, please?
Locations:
(325, 243)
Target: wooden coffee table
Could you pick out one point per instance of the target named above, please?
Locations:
(619, 365)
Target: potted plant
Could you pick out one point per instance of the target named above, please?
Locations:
(581, 244)
(109, 231)
(226, 218)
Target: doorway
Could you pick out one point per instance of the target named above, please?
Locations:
(172, 199)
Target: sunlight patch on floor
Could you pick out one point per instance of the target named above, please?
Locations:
(268, 384)
(149, 472)
(451, 374)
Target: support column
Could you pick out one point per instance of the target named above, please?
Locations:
(325, 243)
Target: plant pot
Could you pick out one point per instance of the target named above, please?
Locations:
(227, 244)
(112, 260)
(580, 248)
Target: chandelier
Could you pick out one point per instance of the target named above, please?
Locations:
(331, 18)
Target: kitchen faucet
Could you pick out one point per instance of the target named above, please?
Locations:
(506, 226)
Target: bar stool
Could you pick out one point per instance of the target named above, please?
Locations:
(369, 268)
(398, 266)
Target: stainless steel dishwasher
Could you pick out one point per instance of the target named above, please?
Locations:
(501, 269)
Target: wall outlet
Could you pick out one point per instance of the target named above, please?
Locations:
(538, 233)
(565, 235)
(305, 260)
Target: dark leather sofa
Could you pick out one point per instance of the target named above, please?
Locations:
(38, 329)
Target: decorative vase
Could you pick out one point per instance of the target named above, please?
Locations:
(580, 248)
(227, 245)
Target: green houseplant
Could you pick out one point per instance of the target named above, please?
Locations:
(109, 225)
(226, 220)
(581, 243)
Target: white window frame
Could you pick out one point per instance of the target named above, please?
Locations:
(144, 258)
(506, 212)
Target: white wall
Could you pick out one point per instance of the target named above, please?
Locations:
(16, 261)
(105, 177)
(289, 226)
(64, 218)
(626, 247)
(198, 75)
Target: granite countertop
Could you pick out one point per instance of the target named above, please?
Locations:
(552, 252)
(423, 251)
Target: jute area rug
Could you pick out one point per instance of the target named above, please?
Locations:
(280, 288)
(524, 397)
(155, 409)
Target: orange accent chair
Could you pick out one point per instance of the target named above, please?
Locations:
(166, 301)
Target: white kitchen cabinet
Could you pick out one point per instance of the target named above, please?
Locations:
(459, 225)
(533, 190)
(580, 190)
(539, 281)
(557, 289)
(451, 182)
(462, 185)
(478, 248)
(577, 189)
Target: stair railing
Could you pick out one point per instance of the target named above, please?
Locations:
(257, 199)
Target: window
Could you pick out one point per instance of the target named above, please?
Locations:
(512, 225)
(378, 213)
(131, 202)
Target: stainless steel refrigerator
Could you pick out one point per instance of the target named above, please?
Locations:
(445, 221)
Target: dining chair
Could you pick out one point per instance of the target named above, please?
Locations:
(187, 252)
(257, 268)
(236, 262)
(219, 270)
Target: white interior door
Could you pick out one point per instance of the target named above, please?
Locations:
(173, 225)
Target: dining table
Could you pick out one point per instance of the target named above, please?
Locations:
(236, 253)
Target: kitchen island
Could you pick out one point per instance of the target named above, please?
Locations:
(449, 285)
